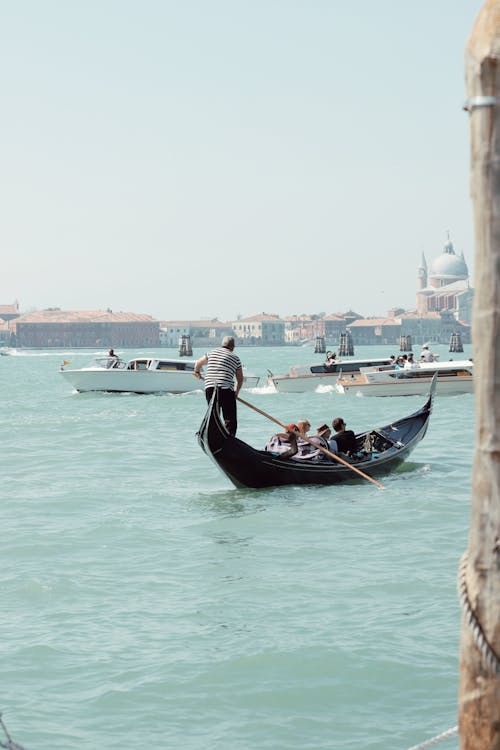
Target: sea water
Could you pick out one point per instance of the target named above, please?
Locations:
(146, 602)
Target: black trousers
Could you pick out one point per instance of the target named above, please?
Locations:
(227, 401)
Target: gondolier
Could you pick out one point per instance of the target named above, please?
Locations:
(223, 371)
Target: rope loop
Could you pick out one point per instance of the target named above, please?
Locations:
(490, 657)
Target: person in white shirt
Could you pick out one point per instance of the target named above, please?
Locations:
(427, 355)
(410, 363)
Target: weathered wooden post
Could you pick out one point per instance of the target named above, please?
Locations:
(479, 581)
(456, 344)
(405, 343)
(346, 346)
(185, 348)
(320, 347)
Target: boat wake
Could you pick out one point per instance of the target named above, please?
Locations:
(262, 389)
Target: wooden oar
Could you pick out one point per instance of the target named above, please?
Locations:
(308, 440)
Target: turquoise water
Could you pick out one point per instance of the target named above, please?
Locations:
(148, 603)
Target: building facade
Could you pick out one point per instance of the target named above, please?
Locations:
(437, 327)
(101, 328)
(204, 333)
(372, 331)
(264, 329)
(9, 312)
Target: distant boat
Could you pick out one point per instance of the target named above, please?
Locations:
(309, 377)
(139, 375)
(453, 377)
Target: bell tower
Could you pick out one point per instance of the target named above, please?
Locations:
(422, 283)
(422, 273)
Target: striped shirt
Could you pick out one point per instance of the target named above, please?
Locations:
(221, 368)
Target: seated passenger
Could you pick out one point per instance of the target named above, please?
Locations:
(304, 446)
(284, 443)
(322, 440)
(322, 434)
(306, 449)
(401, 365)
(410, 362)
(331, 359)
(345, 439)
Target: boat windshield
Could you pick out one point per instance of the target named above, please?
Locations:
(108, 363)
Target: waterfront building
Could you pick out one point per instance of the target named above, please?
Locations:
(171, 331)
(303, 328)
(435, 326)
(9, 312)
(370, 331)
(4, 333)
(201, 332)
(56, 328)
(264, 329)
(338, 323)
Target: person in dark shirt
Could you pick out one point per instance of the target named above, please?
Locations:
(345, 439)
(113, 358)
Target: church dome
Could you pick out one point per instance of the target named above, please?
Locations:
(449, 265)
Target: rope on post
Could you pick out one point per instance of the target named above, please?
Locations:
(490, 657)
(434, 740)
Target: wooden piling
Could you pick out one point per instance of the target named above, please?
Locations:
(456, 344)
(479, 689)
(185, 348)
(346, 347)
(320, 347)
(405, 344)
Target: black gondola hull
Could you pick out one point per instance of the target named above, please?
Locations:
(248, 467)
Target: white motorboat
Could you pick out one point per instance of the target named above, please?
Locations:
(139, 375)
(455, 376)
(309, 377)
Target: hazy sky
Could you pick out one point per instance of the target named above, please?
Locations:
(196, 158)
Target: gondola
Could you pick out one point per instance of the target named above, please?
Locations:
(248, 467)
